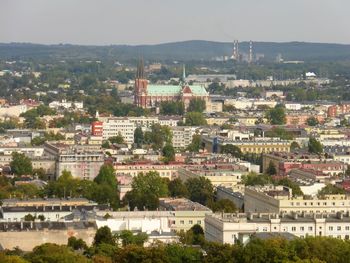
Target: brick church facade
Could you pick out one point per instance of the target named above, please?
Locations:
(148, 96)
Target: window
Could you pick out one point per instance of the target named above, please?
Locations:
(301, 228)
(310, 228)
(182, 222)
(330, 228)
(199, 222)
(294, 228)
(264, 229)
(191, 222)
(338, 228)
(347, 228)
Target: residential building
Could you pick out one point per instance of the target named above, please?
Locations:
(83, 161)
(232, 228)
(227, 175)
(279, 199)
(186, 213)
(182, 136)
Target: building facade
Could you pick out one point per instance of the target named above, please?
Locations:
(149, 96)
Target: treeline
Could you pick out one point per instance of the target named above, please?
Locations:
(129, 249)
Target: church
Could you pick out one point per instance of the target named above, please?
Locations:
(149, 96)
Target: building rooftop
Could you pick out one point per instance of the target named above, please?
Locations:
(181, 204)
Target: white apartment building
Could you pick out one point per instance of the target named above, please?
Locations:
(230, 228)
(115, 126)
(278, 199)
(66, 104)
(156, 224)
(182, 136)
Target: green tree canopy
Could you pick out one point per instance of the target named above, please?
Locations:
(271, 169)
(312, 121)
(234, 150)
(21, 164)
(277, 115)
(146, 191)
(104, 235)
(138, 137)
(223, 205)
(197, 105)
(168, 153)
(172, 108)
(177, 188)
(195, 119)
(200, 190)
(315, 146)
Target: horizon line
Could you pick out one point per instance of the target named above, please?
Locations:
(172, 42)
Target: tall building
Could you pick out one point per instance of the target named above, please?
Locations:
(147, 95)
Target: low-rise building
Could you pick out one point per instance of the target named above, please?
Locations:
(279, 199)
(233, 228)
(186, 213)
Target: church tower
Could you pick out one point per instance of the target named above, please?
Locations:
(140, 89)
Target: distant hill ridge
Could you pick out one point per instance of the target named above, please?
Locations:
(184, 51)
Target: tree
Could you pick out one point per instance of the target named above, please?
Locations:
(168, 153)
(106, 190)
(128, 238)
(347, 172)
(330, 189)
(223, 205)
(194, 236)
(104, 235)
(196, 144)
(116, 139)
(253, 179)
(200, 190)
(177, 188)
(138, 137)
(21, 164)
(197, 105)
(315, 146)
(159, 136)
(76, 244)
(54, 253)
(106, 175)
(146, 191)
(29, 217)
(172, 108)
(195, 119)
(294, 146)
(294, 186)
(312, 121)
(271, 169)
(277, 115)
(234, 150)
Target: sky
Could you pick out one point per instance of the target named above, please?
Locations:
(111, 22)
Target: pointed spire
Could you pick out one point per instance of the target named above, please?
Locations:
(140, 71)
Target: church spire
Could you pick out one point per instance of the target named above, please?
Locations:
(140, 72)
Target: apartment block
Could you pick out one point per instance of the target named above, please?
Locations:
(279, 199)
(233, 228)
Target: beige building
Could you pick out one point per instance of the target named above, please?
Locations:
(231, 228)
(165, 171)
(278, 199)
(218, 176)
(186, 213)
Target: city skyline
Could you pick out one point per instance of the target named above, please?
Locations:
(153, 22)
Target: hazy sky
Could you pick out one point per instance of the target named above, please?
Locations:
(156, 21)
